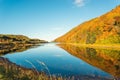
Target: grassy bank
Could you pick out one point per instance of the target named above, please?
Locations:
(104, 46)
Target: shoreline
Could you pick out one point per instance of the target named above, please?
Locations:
(101, 46)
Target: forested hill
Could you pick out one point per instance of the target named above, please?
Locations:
(101, 30)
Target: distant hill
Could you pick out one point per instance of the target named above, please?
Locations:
(7, 38)
(101, 30)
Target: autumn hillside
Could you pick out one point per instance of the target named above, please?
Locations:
(101, 30)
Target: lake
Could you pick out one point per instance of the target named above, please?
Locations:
(67, 61)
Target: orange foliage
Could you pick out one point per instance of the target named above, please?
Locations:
(96, 31)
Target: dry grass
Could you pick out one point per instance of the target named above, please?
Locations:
(102, 46)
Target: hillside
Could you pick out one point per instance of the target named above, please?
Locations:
(101, 30)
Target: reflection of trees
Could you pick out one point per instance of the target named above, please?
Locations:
(105, 59)
(12, 47)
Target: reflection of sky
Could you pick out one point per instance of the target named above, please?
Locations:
(56, 59)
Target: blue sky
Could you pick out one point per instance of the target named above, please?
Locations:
(49, 19)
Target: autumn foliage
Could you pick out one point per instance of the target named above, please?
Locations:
(101, 30)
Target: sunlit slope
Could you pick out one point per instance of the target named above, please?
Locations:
(101, 30)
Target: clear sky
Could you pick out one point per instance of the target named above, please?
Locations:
(49, 19)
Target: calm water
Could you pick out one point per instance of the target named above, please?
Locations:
(52, 59)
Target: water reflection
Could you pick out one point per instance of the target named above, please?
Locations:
(105, 59)
(12, 71)
(67, 64)
(12, 48)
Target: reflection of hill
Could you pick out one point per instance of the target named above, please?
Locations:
(107, 60)
(11, 47)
